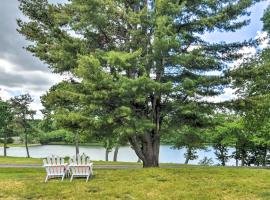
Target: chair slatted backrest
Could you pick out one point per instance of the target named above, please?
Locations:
(54, 165)
(80, 165)
(72, 163)
(45, 163)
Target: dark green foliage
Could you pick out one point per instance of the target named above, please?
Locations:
(136, 70)
(222, 136)
(190, 138)
(10, 140)
(59, 135)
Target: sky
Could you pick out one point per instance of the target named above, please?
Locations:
(21, 73)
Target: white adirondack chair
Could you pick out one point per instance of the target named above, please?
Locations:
(80, 167)
(55, 167)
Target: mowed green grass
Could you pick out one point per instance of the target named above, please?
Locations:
(38, 161)
(19, 160)
(194, 183)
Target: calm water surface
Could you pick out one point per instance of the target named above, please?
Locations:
(167, 154)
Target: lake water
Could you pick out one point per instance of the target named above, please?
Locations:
(167, 154)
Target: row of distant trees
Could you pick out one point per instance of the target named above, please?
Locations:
(230, 137)
(17, 119)
(225, 131)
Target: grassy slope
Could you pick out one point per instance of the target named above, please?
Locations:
(200, 183)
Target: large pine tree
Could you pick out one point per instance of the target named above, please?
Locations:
(139, 68)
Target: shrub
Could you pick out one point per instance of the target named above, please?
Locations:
(206, 161)
(60, 135)
(10, 140)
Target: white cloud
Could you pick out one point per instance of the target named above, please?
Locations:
(228, 94)
(6, 65)
(16, 81)
(4, 94)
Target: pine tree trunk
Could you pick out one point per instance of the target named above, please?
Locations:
(26, 144)
(115, 153)
(236, 157)
(77, 144)
(147, 149)
(242, 158)
(264, 157)
(222, 156)
(187, 160)
(5, 144)
(188, 155)
(151, 158)
(107, 154)
(223, 162)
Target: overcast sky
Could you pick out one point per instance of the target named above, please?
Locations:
(21, 73)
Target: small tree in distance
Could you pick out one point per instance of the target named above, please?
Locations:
(22, 114)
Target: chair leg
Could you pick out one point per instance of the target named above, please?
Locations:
(46, 179)
(63, 177)
(87, 178)
(71, 178)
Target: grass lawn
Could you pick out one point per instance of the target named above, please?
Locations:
(195, 183)
(21, 160)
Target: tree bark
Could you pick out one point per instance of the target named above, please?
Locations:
(5, 144)
(188, 155)
(187, 160)
(26, 144)
(222, 156)
(147, 149)
(77, 144)
(264, 157)
(115, 153)
(236, 157)
(107, 154)
(242, 158)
